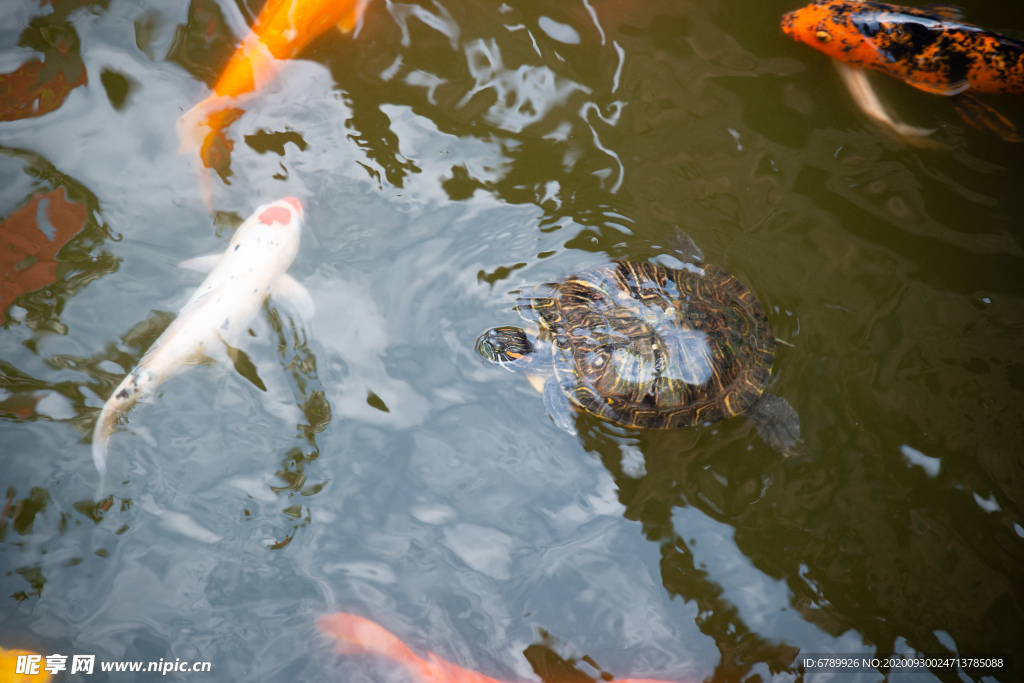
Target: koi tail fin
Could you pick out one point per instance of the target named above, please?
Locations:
(352, 16)
(202, 131)
(126, 395)
(202, 128)
(101, 433)
(194, 127)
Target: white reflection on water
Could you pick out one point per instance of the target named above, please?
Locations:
(442, 22)
(177, 522)
(689, 357)
(485, 549)
(563, 33)
(437, 152)
(632, 462)
(929, 464)
(522, 97)
(764, 603)
(350, 323)
(611, 119)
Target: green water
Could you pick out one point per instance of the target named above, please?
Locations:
(447, 154)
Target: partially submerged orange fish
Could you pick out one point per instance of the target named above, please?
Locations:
(22, 666)
(932, 49)
(281, 31)
(356, 635)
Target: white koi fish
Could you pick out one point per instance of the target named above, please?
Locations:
(240, 280)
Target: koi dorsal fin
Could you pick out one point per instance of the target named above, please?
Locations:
(945, 11)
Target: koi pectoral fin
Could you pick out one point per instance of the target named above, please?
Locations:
(292, 294)
(202, 264)
(856, 81)
(984, 117)
(944, 89)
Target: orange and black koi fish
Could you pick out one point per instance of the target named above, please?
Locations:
(281, 31)
(356, 635)
(932, 49)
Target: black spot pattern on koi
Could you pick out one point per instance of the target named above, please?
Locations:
(927, 48)
(131, 388)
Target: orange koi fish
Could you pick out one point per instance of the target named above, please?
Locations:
(356, 635)
(282, 30)
(931, 49)
(22, 666)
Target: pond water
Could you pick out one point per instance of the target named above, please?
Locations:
(447, 154)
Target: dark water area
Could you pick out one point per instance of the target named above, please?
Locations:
(447, 155)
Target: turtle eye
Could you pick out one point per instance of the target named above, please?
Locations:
(823, 36)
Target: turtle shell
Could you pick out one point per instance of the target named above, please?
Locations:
(641, 345)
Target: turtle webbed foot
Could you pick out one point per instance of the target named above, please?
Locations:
(776, 422)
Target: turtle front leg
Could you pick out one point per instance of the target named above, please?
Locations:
(558, 406)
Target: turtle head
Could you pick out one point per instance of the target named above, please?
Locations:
(509, 347)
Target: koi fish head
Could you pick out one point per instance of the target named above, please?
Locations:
(276, 227)
(284, 215)
(826, 26)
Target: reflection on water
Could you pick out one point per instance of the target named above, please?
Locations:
(38, 87)
(449, 154)
(51, 240)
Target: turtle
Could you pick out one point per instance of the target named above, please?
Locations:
(647, 346)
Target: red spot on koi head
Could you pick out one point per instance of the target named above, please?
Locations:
(276, 214)
(294, 202)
